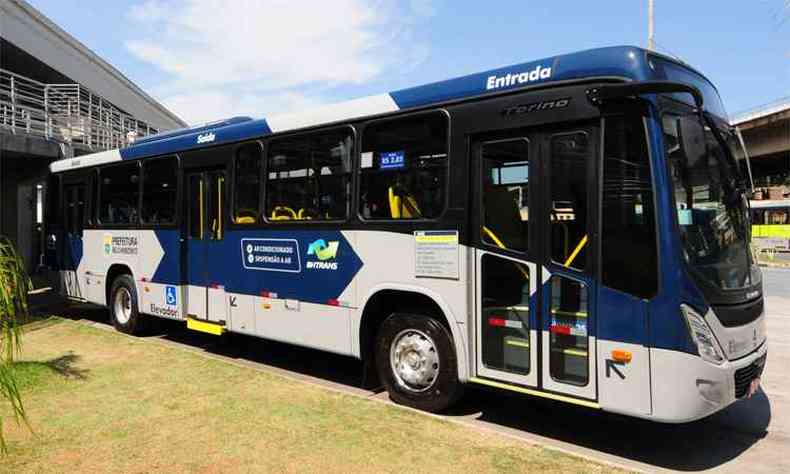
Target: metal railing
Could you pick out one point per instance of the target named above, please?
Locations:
(67, 113)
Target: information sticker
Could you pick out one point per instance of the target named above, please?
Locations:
(436, 254)
(366, 160)
(273, 255)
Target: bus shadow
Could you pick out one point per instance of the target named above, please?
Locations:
(699, 445)
(694, 446)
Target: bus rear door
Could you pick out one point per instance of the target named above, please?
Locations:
(205, 235)
(74, 206)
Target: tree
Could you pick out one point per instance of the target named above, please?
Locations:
(14, 287)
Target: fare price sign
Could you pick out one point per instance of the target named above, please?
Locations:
(392, 160)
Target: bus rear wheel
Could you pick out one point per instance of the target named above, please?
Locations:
(416, 362)
(123, 306)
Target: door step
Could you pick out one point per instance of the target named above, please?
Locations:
(205, 326)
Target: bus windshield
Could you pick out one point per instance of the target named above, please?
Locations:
(712, 209)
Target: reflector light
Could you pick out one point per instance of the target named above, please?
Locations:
(496, 322)
(565, 330)
(619, 355)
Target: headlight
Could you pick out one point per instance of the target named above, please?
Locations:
(703, 337)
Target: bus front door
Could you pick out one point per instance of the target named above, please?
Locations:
(507, 277)
(205, 290)
(535, 320)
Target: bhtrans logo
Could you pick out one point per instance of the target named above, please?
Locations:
(323, 251)
(512, 79)
(206, 137)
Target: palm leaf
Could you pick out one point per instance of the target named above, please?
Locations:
(14, 287)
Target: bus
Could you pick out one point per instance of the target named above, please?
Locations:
(771, 224)
(573, 228)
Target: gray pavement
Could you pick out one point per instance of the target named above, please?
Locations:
(750, 436)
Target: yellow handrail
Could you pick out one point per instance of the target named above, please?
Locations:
(499, 244)
(576, 251)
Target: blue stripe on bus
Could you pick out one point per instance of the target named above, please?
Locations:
(169, 269)
(223, 262)
(198, 139)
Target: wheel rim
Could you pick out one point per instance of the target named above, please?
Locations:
(414, 360)
(123, 305)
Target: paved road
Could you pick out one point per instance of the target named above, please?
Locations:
(750, 436)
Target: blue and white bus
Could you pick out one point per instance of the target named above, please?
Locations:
(572, 228)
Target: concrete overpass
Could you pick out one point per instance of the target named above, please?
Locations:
(766, 132)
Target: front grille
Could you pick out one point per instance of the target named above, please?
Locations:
(739, 314)
(745, 375)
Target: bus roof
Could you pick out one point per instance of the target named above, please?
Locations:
(628, 63)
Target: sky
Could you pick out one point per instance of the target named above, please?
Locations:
(210, 59)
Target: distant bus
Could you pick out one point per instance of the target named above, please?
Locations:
(771, 223)
(572, 228)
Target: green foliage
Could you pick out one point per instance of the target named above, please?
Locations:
(14, 287)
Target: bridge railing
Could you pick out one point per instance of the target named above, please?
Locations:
(67, 113)
(763, 110)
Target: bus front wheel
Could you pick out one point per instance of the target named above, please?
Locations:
(123, 306)
(416, 362)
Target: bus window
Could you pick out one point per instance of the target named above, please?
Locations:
(569, 359)
(403, 168)
(196, 199)
(628, 244)
(309, 177)
(160, 182)
(120, 193)
(570, 153)
(90, 208)
(247, 189)
(505, 190)
(75, 209)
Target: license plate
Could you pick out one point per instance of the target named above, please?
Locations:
(753, 387)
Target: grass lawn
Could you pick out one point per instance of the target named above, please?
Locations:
(103, 402)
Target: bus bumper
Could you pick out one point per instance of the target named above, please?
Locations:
(687, 388)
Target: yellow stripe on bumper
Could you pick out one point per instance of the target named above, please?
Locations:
(536, 393)
(204, 326)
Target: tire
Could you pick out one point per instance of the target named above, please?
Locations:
(124, 312)
(428, 377)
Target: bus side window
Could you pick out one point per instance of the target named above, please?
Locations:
(403, 168)
(119, 194)
(160, 182)
(247, 187)
(309, 177)
(629, 257)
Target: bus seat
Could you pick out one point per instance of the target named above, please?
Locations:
(283, 213)
(245, 216)
(402, 206)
